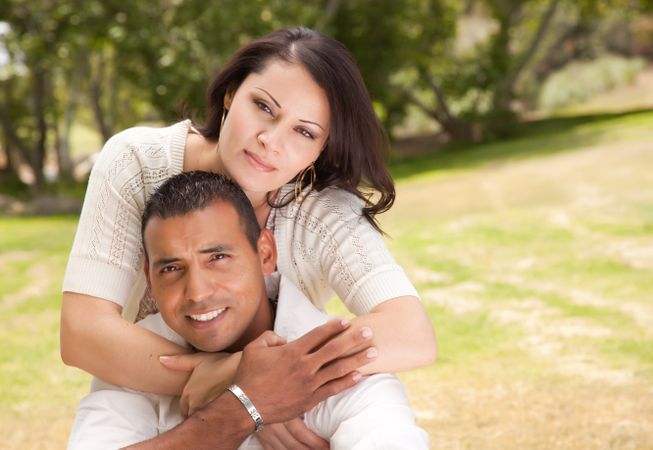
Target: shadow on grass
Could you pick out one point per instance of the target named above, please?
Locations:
(532, 139)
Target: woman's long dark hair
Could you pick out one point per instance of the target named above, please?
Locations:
(354, 156)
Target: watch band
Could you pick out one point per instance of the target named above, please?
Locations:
(249, 406)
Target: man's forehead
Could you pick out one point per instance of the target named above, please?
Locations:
(216, 225)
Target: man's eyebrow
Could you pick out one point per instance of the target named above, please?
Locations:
(270, 95)
(163, 261)
(216, 249)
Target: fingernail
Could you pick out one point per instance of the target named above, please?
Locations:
(164, 358)
(344, 322)
(366, 332)
(356, 377)
(372, 353)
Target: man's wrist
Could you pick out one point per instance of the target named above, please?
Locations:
(228, 413)
(248, 405)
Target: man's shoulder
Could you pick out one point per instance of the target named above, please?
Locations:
(296, 315)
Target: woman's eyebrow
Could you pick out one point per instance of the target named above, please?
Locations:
(314, 123)
(279, 106)
(270, 95)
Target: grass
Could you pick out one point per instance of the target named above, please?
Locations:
(534, 259)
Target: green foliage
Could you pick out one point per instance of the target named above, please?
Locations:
(579, 81)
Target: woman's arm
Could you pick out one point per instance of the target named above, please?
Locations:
(403, 335)
(95, 338)
(325, 243)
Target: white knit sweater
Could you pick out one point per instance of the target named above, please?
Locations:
(324, 246)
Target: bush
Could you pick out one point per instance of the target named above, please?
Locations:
(579, 80)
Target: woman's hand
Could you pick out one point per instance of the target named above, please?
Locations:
(211, 374)
(293, 434)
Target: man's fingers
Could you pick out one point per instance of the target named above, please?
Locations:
(334, 387)
(268, 339)
(343, 366)
(343, 344)
(184, 363)
(318, 336)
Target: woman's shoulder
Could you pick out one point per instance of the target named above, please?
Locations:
(143, 135)
(329, 206)
(145, 144)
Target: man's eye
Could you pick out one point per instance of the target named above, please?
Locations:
(218, 256)
(263, 106)
(169, 269)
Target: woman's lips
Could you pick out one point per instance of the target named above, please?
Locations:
(258, 163)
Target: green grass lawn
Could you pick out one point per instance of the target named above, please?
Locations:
(534, 259)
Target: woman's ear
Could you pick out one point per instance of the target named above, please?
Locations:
(267, 251)
(228, 98)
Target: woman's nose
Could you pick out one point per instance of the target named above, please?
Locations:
(270, 139)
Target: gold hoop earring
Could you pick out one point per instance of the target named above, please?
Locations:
(310, 170)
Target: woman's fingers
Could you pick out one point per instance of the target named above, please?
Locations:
(279, 437)
(298, 429)
(184, 363)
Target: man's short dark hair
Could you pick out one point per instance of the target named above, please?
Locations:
(194, 191)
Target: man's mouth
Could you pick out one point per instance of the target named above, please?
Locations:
(205, 317)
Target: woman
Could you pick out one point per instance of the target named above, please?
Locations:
(290, 120)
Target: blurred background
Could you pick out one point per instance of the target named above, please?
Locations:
(522, 147)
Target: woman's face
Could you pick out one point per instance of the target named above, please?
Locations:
(277, 125)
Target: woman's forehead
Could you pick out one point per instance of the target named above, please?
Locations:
(292, 87)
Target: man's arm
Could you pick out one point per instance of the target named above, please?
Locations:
(282, 380)
(223, 424)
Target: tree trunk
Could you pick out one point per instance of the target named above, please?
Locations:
(40, 93)
(505, 90)
(97, 84)
(5, 148)
(64, 161)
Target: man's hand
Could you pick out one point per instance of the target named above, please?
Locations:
(285, 380)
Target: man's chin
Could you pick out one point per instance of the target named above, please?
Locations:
(208, 348)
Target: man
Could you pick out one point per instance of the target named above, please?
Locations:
(206, 259)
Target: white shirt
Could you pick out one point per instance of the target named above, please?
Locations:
(374, 414)
(324, 245)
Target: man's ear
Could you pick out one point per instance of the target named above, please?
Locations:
(146, 269)
(267, 251)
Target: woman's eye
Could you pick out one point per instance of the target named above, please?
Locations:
(304, 132)
(262, 106)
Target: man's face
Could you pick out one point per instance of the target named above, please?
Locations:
(206, 277)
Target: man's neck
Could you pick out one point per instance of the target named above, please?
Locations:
(263, 321)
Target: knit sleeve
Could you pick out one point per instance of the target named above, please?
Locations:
(326, 246)
(107, 254)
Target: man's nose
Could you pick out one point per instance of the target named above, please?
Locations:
(199, 286)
